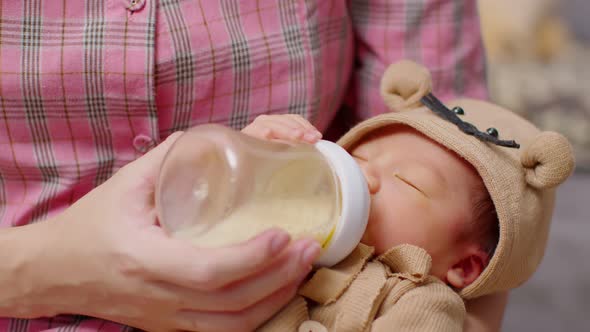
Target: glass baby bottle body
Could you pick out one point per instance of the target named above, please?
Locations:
(219, 187)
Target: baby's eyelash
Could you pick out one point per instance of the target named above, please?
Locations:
(409, 183)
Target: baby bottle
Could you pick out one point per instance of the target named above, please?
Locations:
(219, 187)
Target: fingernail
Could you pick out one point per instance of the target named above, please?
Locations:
(310, 253)
(279, 242)
(318, 134)
(310, 137)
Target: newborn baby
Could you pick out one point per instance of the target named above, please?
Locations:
(456, 212)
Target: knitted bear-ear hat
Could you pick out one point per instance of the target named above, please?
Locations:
(519, 165)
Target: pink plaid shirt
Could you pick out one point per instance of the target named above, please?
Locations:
(88, 86)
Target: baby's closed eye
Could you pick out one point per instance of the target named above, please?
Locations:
(409, 183)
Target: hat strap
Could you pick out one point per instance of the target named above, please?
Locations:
(435, 105)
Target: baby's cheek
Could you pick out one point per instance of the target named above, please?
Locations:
(378, 235)
(452, 218)
(386, 235)
(456, 229)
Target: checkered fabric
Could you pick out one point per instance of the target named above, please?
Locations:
(88, 86)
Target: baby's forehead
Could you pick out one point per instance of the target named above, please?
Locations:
(420, 155)
(436, 156)
(394, 130)
(400, 136)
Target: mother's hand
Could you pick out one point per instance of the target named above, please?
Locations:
(106, 257)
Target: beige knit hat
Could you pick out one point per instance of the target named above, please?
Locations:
(521, 180)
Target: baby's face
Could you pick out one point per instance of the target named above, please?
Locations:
(420, 193)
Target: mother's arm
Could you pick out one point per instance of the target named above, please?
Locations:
(485, 314)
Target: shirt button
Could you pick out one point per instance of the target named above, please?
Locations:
(134, 5)
(312, 326)
(142, 143)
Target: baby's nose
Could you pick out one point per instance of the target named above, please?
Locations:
(372, 178)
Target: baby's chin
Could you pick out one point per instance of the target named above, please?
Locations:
(366, 240)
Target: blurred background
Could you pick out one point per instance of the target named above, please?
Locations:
(539, 66)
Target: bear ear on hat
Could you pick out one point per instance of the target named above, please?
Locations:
(403, 84)
(548, 160)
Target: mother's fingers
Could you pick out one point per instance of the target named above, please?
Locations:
(233, 264)
(308, 131)
(245, 320)
(290, 267)
(305, 124)
(177, 262)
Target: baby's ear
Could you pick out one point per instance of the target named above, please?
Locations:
(404, 84)
(468, 268)
(548, 160)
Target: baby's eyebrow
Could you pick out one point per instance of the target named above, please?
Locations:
(440, 176)
(437, 175)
